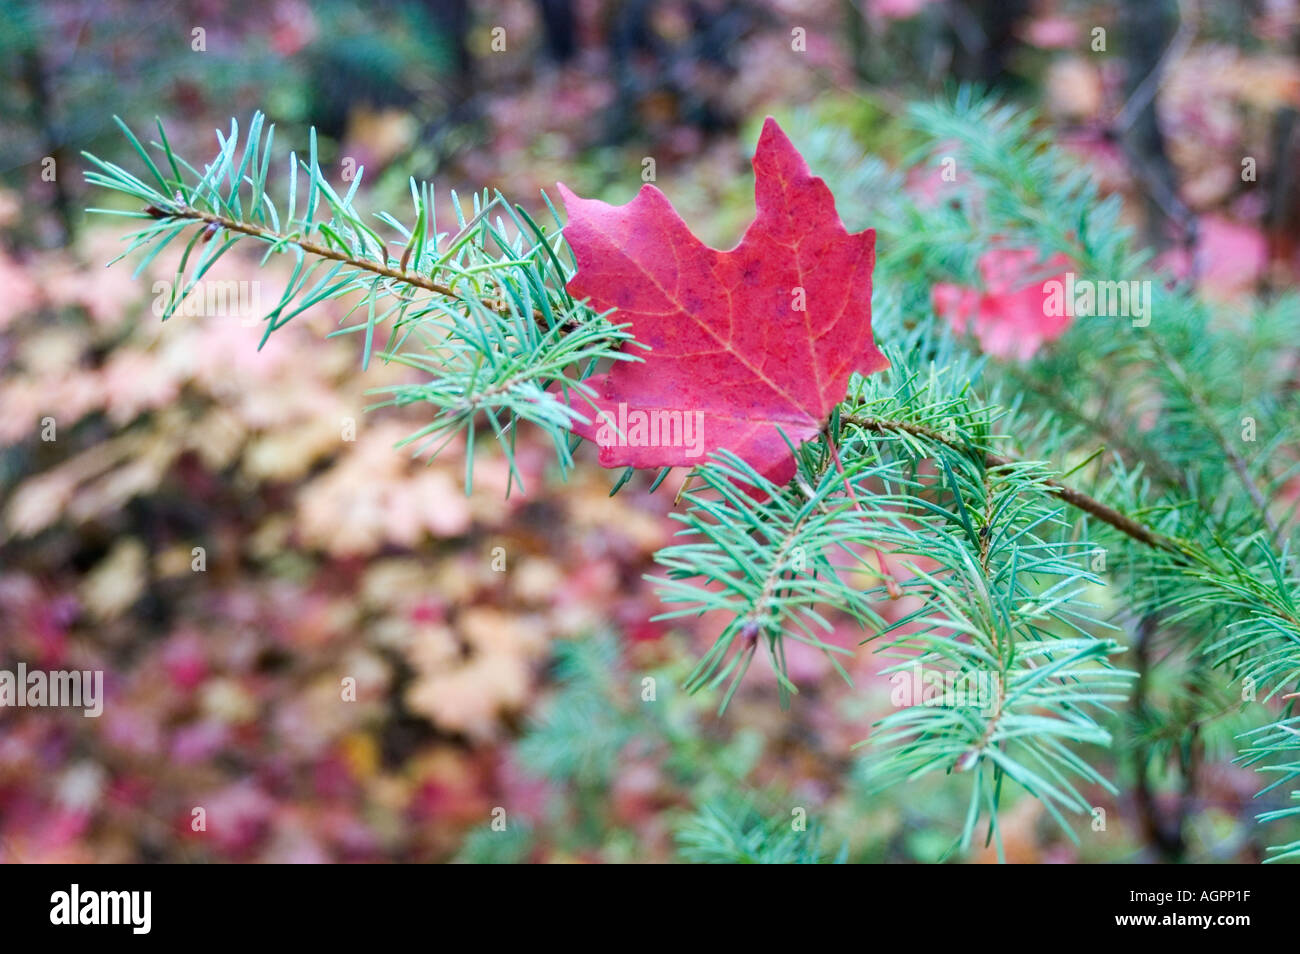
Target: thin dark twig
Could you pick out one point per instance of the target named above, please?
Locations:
(1076, 498)
(398, 274)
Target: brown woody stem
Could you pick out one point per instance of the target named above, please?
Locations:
(400, 273)
(1076, 498)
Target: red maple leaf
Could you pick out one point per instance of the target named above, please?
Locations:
(744, 344)
(1009, 316)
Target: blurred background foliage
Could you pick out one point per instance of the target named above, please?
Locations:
(542, 689)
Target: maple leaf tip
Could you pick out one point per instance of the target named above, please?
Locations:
(772, 135)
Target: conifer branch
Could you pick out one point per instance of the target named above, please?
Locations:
(1238, 463)
(1103, 428)
(1076, 498)
(375, 267)
(1005, 577)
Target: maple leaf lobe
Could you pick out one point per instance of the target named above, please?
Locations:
(759, 340)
